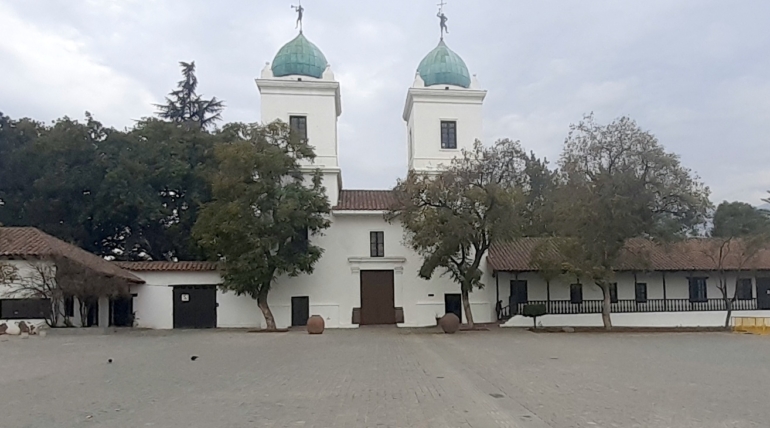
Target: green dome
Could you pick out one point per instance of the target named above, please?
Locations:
(444, 67)
(299, 57)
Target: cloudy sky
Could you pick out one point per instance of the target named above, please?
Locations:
(694, 72)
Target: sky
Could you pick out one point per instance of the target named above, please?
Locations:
(692, 72)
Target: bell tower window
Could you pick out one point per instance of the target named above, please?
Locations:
(448, 134)
(298, 125)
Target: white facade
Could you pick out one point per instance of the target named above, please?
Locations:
(424, 111)
(26, 272)
(677, 292)
(333, 289)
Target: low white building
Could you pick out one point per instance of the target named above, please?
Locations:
(33, 262)
(676, 286)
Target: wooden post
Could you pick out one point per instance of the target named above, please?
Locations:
(665, 298)
(548, 294)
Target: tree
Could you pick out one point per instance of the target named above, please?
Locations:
(38, 283)
(452, 218)
(132, 195)
(618, 183)
(740, 232)
(184, 106)
(151, 193)
(49, 177)
(264, 210)
(8, 274)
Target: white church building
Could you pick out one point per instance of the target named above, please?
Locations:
(367, 276)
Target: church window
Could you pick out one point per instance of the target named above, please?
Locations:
(377, 244)
(448, 134)
(298, 125)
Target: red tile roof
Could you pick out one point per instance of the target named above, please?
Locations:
(365, 200)
(164, 266)
(698, 254)
(31, 242)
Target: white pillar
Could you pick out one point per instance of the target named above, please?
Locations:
(104, 312)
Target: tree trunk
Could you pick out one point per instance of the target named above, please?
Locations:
(606, 307)
(467, 307)
(729, 304)
(266, 312)
(83, 308)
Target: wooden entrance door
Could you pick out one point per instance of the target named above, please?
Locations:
(122, 312)
(300, 311)
(453, 304)
(195, 306)
(763, 293)
(377, 297)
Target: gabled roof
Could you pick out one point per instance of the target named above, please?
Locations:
(165, 266)
(690, 255)
(31, 242)
(365, 200)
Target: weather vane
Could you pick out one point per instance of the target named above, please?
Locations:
(443, 19)
(300, 11)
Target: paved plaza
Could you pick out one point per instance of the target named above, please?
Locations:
(385, 377)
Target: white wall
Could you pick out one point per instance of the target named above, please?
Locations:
(154, 300)
(677, 285)
(334, 287)
(317, 100)
(26, 271)
(426, 108)
(647, 319)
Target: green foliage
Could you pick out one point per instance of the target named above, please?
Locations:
(739, 219)
(452, 218)
(185, 106)
(618, 183)
(263, 211)
(534, 310)
(150, 195)
(740, 233)
(131, 194)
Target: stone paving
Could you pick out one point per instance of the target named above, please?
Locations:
(385, 377)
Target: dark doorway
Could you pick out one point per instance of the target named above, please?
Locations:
(453, 303)
(763, 293)
(300, 311)
(122, 311)
(195, 306)
(92, 313)
(377, 297)
(518, 295)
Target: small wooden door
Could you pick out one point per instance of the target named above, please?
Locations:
(763, 293)
(518, 293)
(195, 306)
(453, 304)
(122, 312)
(377, 297)
(300, 311)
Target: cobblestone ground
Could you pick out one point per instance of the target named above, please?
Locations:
(384, 377)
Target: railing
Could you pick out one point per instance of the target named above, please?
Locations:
(566, 307)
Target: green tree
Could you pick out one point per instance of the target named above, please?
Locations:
(452, 218)
(50, 175)
(263, 211)
(153, 188)
(619, 183)
(739, 233)
(184, 105)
